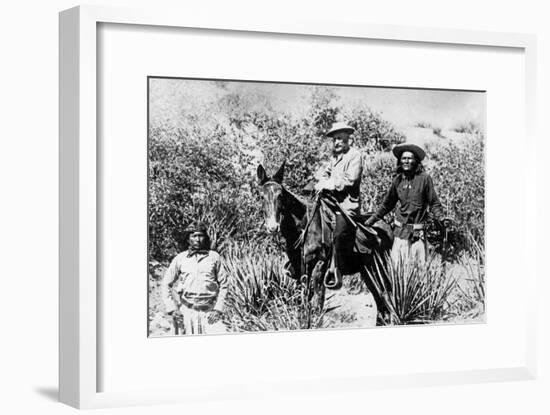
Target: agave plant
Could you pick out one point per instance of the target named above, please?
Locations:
(415, 292)
(262, 295)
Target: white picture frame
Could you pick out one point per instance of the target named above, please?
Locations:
(79, 164)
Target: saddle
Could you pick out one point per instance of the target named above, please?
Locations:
(367, 239)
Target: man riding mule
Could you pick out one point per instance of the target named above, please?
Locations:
(342, 178)
(308, 231)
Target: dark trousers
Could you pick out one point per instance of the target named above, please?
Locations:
(344, 238)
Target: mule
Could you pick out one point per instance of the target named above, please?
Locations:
(307, 244)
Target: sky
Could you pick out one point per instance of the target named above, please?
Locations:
(402, 107)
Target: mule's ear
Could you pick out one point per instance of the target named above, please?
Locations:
(262, 176)
(278, 177)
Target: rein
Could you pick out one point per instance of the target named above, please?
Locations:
(307, 217)
(302, 237)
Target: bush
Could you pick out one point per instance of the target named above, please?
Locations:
(295, 142)
(423, 124)
(378, 173)
(372, 132)
(197, 175)
(468, 128)
(458, 171)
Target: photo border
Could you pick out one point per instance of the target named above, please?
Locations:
(79, 164)
(482, 319)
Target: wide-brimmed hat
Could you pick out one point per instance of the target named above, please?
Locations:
(340, 126)
(413, 148)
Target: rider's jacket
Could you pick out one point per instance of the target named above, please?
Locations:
(344, 171)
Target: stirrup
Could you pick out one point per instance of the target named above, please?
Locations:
(333, 279)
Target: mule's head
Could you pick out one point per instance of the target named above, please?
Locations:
(272, 194)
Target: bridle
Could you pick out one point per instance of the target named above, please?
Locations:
(273, 204)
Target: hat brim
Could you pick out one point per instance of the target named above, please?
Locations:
(399, 149)
(345, 129)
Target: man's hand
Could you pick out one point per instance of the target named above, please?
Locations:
(214, 316)
(324, 185)
(446, 223)
(371, 221)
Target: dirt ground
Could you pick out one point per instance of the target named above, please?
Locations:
(355, 305)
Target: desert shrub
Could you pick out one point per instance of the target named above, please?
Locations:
(372, 132)
(437, 132)
(322, 112)
(423, 124)
(468, 128)
(294, 141)
(458, 172)
(197, 175)
(378, 173)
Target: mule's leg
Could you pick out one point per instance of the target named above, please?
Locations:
(317, 285)
(307, 292)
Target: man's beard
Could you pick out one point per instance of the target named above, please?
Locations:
(342, 150)
(410, 170)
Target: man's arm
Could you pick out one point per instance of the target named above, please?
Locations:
(166, 286)
(387, 205)
(326, 181)
(223, 283)
(327, 171)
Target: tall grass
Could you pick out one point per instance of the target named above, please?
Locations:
(262, 295)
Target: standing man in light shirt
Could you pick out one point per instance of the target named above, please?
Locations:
(194, 287)
(342, 178)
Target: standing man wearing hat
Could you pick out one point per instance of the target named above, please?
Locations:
(342, 178)
(194, 287)
(412, 190)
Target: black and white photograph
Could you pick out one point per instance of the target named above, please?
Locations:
(288, 206)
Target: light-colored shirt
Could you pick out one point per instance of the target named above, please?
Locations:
(196, 279)
(344, 172)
